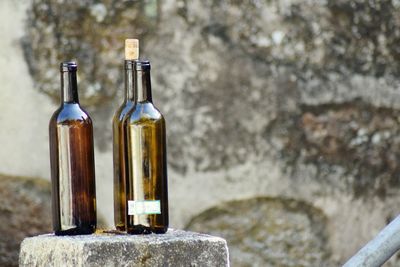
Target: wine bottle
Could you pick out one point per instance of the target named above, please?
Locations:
(146, 191)
(72, 161)
(119, 147)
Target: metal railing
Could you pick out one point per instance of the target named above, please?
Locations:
(377, 251)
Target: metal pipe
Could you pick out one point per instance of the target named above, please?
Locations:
(377, 251)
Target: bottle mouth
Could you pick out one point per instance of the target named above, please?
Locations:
(68, 66)
(142, 65)
(129, 64)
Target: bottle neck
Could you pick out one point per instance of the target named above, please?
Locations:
(129, 81)
(143, 85)
(69, 87)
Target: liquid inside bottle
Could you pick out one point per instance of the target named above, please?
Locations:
(72, 161)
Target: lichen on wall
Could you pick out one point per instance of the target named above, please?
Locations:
(268, 232)
(90, 32)
(359, 138)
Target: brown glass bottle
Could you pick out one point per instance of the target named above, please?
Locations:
(146, 183)
(119, 149)
(72, 161)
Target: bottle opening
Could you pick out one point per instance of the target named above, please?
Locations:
(142, 65)
(129, 64)
(68, 66)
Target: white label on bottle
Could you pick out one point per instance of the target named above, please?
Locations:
(140, 207)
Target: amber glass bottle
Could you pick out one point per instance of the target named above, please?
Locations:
(146, 184)
(119, 147)
(72, 161)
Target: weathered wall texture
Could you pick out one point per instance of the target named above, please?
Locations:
(24, 207)
(282, 116)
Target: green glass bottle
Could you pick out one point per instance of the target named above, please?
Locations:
(119, 136)
(72, 161)
(119, 154)
(146, 183)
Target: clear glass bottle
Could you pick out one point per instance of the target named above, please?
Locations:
(146, 184)
(72, 161)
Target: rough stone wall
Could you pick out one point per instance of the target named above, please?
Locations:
(24, 206)
(294, 100)
(269, 232)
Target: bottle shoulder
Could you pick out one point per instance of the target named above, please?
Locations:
(144, 111)
(70, 112)
(123, 110)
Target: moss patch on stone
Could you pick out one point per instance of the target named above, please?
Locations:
(268, 232)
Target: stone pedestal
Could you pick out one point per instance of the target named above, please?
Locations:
(175, 248)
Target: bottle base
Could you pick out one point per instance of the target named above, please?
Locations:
(76, 231)
(145, 230)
